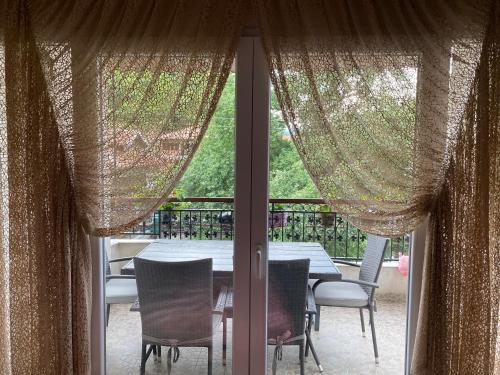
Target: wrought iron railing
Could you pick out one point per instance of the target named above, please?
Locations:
(291, 220)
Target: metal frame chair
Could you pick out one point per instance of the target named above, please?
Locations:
(325, 292)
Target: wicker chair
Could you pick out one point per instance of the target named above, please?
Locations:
(287, 306)
(119, 288)
(288, 292)
(359, 293)
(176, 307)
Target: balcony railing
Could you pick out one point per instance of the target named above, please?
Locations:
(290, 220)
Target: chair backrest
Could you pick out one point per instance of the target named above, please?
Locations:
(372, 260)
(175, 299)
(288, 281)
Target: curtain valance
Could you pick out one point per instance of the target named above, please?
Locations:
(372, 93)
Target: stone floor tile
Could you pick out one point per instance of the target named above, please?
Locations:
(340, 345)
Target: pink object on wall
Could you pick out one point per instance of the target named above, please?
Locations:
(403, 264)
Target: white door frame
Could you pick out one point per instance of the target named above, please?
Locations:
(251, 209)
(415, 275)
(97, 326)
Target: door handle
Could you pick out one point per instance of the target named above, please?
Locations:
(258, 259)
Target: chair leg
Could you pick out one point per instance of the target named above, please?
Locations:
(313, 351)
(210, 354)
(362, 317)
(301, 358)
(224, 340)
(159, 353)
(308, 328)
(143, 358)
(108, 309)
(374, 337)
(316, 318)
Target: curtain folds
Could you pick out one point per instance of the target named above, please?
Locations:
(392, 105)
(133, 86)
(45, 256)
(458, 320)
(103, 104)
(372, 93)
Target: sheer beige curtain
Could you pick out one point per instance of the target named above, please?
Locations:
(394, 111)
(133, 86)
(45, 252)
(458, 323)
(372, 93)
(103, 104)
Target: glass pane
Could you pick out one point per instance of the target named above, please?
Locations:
(301, 226)
(180, 302)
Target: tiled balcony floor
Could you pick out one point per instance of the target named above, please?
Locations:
(339, 343)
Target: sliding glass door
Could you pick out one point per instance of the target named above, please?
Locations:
(246, 205)
(185, 289)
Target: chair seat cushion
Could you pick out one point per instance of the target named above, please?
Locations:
(340, 294)
(121, 291)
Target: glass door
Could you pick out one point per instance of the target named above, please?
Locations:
(358, 281)
(185, 290)
(233, 208)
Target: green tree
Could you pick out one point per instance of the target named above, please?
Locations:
(211, 172)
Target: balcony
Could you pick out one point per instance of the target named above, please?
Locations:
(339, 342)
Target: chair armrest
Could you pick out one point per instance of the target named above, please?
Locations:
(360, 282)
(120, 259)
(109, 277)
(345, 262)
(221, 301)
(311, 302)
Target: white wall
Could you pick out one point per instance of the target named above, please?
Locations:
(124, 248)
(392, 283)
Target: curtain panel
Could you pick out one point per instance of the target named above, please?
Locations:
(458, 320)
(133, 86)
(391, 105)
(372, 93)
(45, 260)
(103, 104)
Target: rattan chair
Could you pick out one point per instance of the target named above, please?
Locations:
(176, 310)
(287, 295)
(288, 283)
(359, 293)
(119, 288)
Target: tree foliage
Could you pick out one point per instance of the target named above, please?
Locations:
(211, 172)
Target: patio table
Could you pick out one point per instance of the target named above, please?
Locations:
(221, 252)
